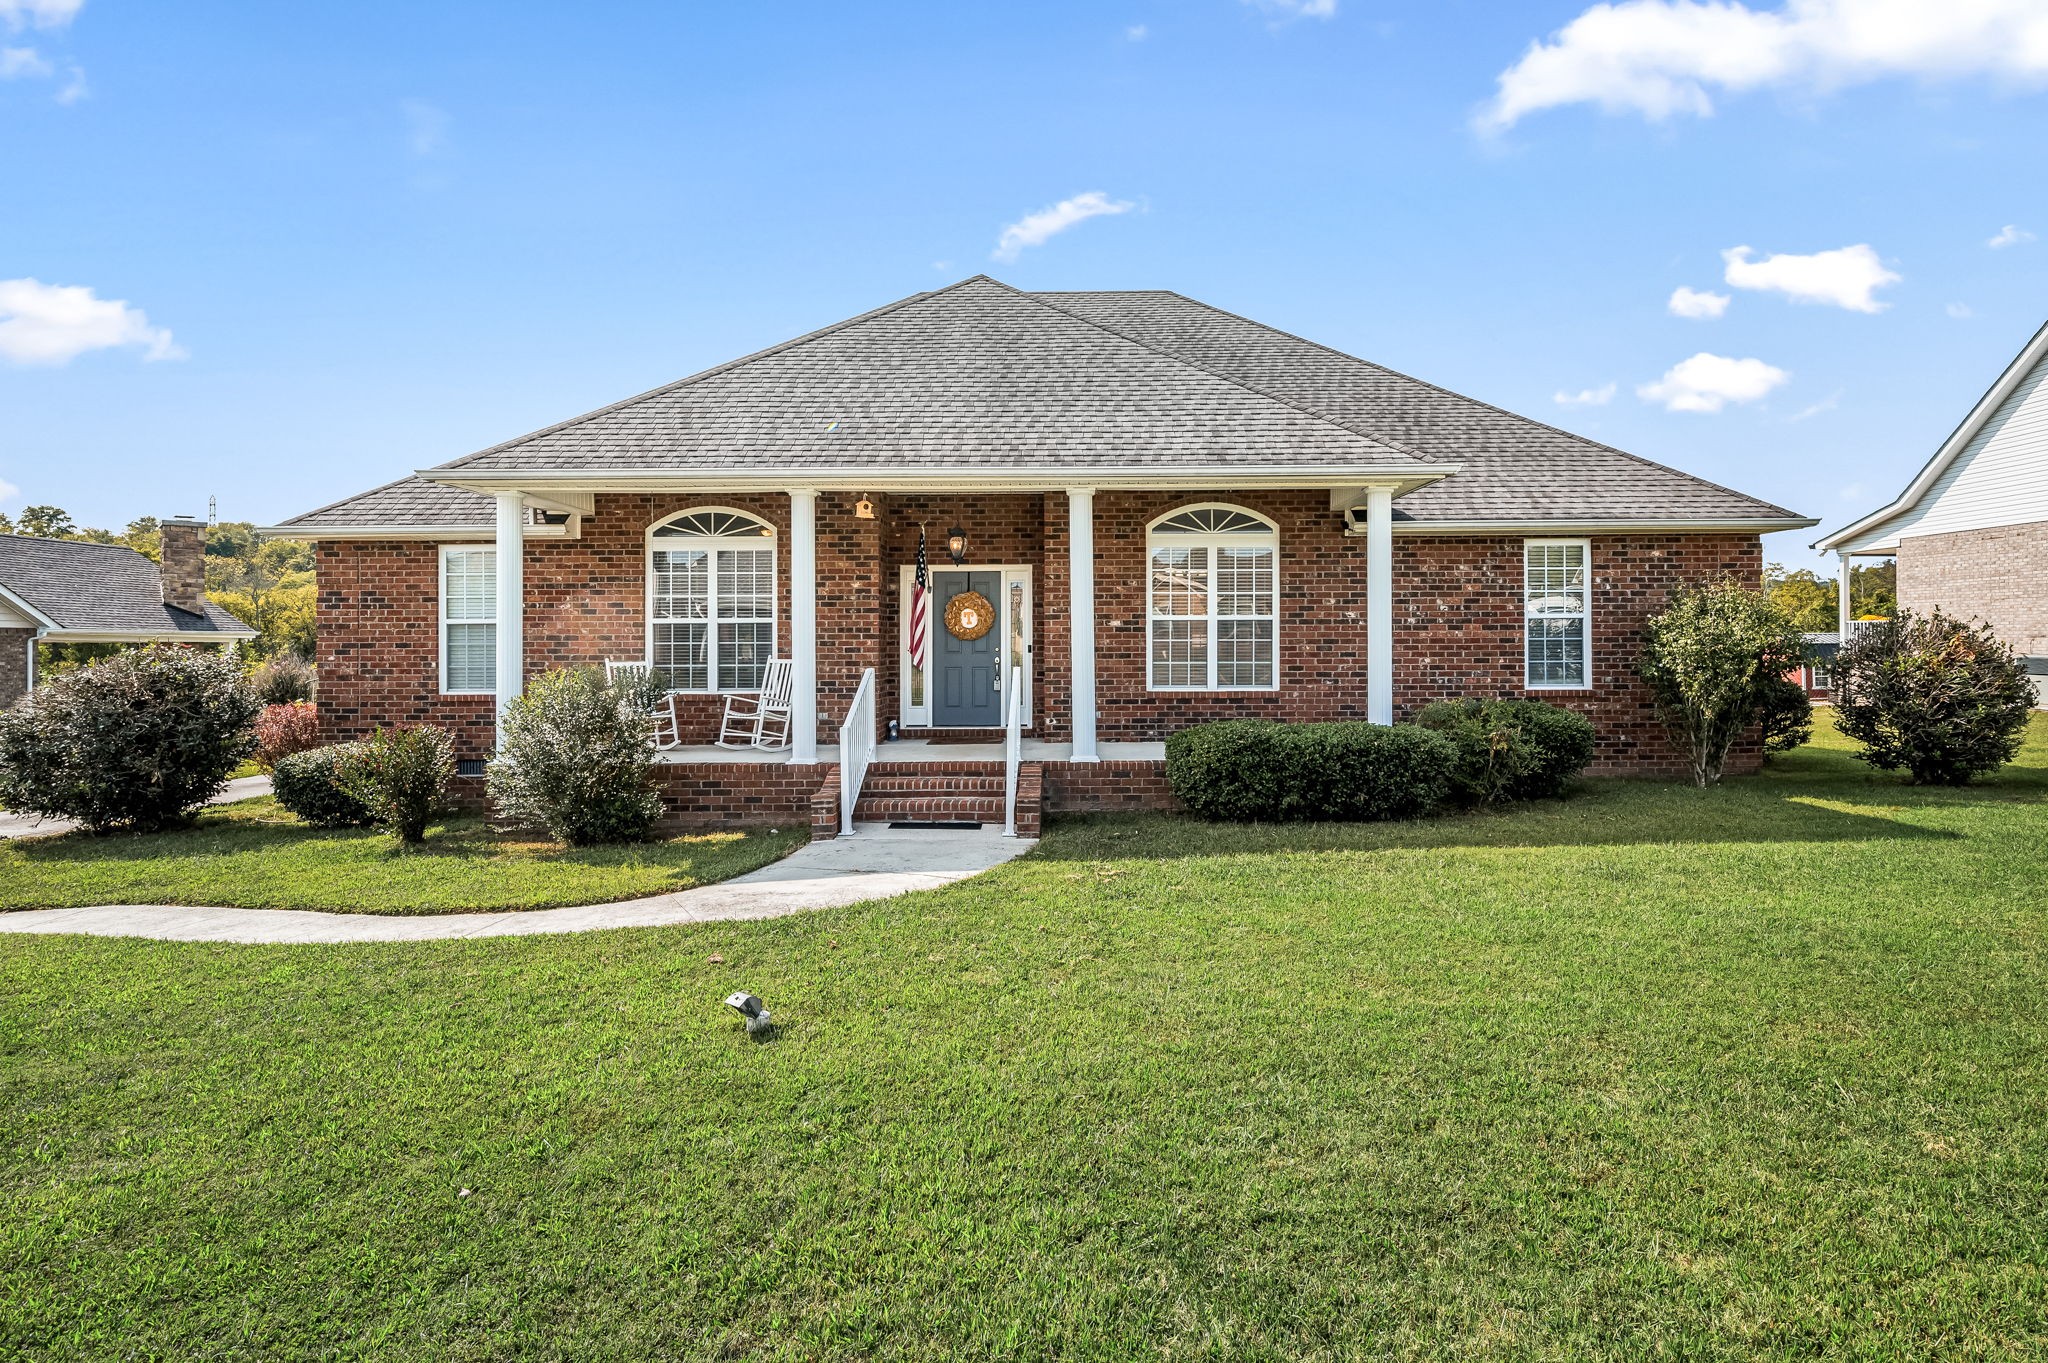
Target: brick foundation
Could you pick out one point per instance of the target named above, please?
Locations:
(699, 795)
(1457, 626)
(1106, 787)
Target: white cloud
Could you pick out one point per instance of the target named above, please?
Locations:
(2009, 235)
(1586, 397)
(1137, 33)
(1707, 383)
(18, 63)
(8, 491)
(75, 88)
(1847, 278)
(20, 14)
(1960, 311)
(426, 127)
(54, 324)
(1826, 404)
(1297, 9)
(1658, 58)
(1034, 229)
(1698, 304)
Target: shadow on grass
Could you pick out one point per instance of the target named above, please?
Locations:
(1605, 813)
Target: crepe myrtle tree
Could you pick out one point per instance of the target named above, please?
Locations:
(1710, 659)
(1940, 697)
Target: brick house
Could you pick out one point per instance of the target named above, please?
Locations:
(77, 592)
(1970, 532)
(1175, 514)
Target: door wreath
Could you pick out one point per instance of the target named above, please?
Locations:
(969, 616)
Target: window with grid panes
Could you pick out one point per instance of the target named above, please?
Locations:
(469, 619)
(1556, 619)
(1213, 601)
(711, 600)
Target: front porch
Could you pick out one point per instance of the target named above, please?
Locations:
(913, 750)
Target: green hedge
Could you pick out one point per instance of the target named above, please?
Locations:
(1510, 749)
(1256, 769)
(308, 784)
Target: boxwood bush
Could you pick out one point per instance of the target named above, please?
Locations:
(578, 758)
(1510, 749)
(1943, 698)
(1256, 769)
(137, 741)
(401, 776)
(308, 784)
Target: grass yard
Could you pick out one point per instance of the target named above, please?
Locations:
(1757, 1072)
(255, 855)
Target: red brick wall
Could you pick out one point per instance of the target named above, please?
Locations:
(1457, 627)
(1106, 787)
(698, 795)
(14, 644)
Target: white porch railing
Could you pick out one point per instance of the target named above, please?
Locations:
(1013, 749)
(856, 749)
(1857, 627)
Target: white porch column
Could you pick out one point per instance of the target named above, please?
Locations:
(511, 569)
(803, 625)
(1842, 616)
(1379, 605)
(1081, 617)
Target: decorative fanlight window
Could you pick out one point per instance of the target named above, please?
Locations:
(711, 600)
(1213, 600)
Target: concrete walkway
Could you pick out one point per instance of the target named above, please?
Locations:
(28, 826)
(876, 863)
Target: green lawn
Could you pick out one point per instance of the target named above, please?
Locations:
(1760, 1072)
(252, 853)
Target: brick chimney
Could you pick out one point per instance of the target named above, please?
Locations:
(184, 563)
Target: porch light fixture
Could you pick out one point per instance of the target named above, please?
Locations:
(863, 510)
(956, 544)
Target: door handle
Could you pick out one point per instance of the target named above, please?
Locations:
(997, 680)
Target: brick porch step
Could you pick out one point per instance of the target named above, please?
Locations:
(932, 792)
(929, 808)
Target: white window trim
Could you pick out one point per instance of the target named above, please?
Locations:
(441, 632)
(711, 621)
(1210, 542)
(1585, 618)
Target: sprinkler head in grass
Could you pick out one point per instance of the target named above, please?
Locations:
(750, 1008)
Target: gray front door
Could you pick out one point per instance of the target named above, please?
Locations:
(966, 695)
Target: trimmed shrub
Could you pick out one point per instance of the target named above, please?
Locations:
(401, 776)
(282, 730)
(308, 784)
(137, 741)
(1786, 713)
(1932, 694)
(283, 680)
(1256, 769)
(578, 759)
(1511, 749)
(1710, 656)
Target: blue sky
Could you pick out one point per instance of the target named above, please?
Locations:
(383, 235)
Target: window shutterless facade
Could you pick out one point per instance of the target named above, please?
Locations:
(711, 600)
(1557, 616)
(1212, 601)
(469, 619)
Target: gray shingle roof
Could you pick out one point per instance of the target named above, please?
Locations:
(101, 589)
(981, 376)
(1513, 468)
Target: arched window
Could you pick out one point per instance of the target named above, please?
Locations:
(1214, 600)
(711, 599)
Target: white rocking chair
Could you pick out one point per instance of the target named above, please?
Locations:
(759, 720)
(662, 712)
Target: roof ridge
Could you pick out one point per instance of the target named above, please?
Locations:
(703, 374)
(1397, 446)
(1476, 402)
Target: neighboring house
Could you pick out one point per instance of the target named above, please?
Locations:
(76, 592)
(1813, 674)
(1970, 532)
(1177, 515)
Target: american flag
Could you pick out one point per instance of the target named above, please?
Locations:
(920, 603)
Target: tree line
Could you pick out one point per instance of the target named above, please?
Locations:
(1810, 599)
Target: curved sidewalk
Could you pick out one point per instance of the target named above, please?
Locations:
(877, 863)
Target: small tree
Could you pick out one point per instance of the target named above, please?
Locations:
(578, 758)
(401, 776)
(1944, 699)
(137, 741)
(1710, 658)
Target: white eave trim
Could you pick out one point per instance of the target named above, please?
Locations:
(1404, 477)
(145, 636)
(1959, 440)
(477, 531)
(1592, 527)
